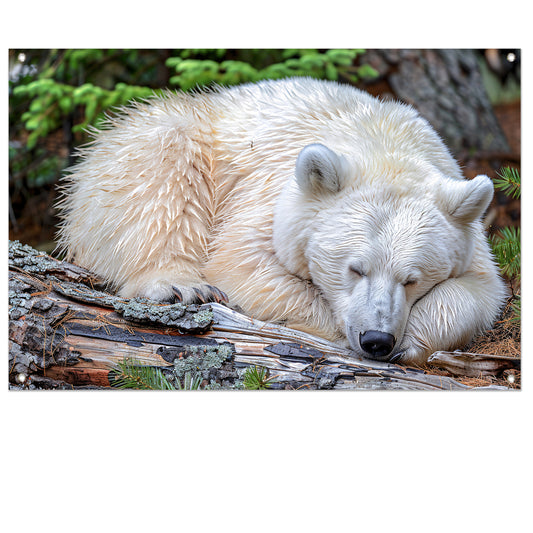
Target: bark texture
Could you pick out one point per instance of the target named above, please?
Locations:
(447, 88)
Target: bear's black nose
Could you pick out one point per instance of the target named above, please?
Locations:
(376, 343)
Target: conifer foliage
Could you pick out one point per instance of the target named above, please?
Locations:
(506, 243)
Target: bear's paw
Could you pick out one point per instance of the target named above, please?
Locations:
(200, 294)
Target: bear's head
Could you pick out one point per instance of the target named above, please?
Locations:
(376, 237)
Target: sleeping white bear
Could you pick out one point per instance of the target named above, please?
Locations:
(303, 201)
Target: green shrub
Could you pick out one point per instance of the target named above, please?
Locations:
(266, 64)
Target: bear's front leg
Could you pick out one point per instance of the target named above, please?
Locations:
(451, 314)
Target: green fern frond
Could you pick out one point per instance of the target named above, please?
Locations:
(131, 374)
(508, 181)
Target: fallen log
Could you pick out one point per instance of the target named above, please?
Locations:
(67, 331)
(473, 364)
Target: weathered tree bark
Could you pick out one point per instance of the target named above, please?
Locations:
(65, 331)
(446, 87)
(473, 364)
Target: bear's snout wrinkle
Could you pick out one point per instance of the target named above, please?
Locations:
(377, 344)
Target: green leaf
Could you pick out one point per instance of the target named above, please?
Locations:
(33, 137)
(33, 123)
(173, 62)
(81, 92)
(331, 72)
(312, 62)
(66, 104)
(367, 72)
(341, 57)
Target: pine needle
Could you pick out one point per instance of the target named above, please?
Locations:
(133, 375)
(506, 243)
(506, 247)
(255, 378)
(190, 382)
(517, 309)
(508, 181)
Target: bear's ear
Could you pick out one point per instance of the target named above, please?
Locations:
(467, 200)
(319, 169)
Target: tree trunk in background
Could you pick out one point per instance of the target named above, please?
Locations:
(447, 89)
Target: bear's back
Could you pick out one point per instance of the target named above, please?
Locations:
(260, 128)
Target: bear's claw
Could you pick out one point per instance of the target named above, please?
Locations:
(202, 294)
(220, 296)
(177, 294)
(199, 295)
(396, 357)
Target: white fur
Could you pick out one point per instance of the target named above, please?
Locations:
(191, 191)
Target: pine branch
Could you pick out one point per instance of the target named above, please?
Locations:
(255, 378)
(132, 375)
(508, 181)
(506, 248)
